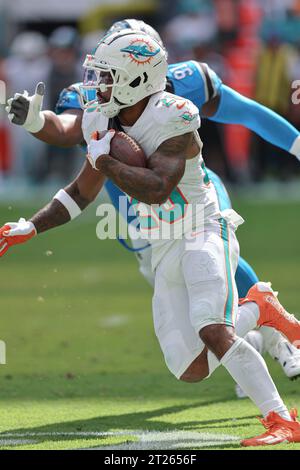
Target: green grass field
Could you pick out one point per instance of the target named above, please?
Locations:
(84, 369)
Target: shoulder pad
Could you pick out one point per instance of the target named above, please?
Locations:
(174, 109)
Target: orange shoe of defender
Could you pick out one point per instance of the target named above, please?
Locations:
(278, 430)
(272, 313)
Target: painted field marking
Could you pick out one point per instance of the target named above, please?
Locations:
(70, 433)
(150, 440)
(16, 442)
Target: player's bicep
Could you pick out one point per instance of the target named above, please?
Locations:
(176, 146)
(168, 161)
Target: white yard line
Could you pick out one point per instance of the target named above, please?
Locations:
(147, 440)
(71, 433)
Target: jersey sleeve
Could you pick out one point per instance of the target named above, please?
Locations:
(212, 82)
(235, 108)
(195, 81)
(174, 116)
(69, 98)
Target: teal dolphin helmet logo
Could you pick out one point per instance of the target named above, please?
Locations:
(140, 51)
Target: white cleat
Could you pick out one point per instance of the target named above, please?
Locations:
(288, 357)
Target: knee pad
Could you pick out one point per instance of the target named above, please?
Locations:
(201, 267)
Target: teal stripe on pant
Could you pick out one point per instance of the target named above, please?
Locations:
(228, 311)
(245, 276)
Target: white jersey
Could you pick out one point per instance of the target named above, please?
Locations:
(194, 201)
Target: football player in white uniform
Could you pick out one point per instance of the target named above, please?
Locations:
(195, 303)
(203, 87)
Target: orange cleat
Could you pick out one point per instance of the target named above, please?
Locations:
(278, 430)
(272, 313)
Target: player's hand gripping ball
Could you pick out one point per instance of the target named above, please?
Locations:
(125, 149)
(118, 145)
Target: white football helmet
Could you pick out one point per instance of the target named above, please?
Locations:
(136, 25)
(130, 63)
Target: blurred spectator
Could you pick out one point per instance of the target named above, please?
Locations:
(4, 27)
(88, 43)
(276, 9)
(64, 51)
(227, 19)
(27, 65)
(28, 62)
(295, 75)
(64, 48)
(195, 25)
(281, 18)
(238, 23)
(211, 132)
(193, 34)
(226, 34)
(296, 7)
(275, 66)
(273, 89)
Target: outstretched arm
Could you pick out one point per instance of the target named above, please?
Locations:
(230, 107)
(63, 130)
(65, 206)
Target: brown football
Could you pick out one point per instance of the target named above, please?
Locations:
(127, 150)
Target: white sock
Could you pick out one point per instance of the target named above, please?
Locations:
(246, 321)
(247, 367)
(272, 340)
(247, 318)
(255, 338)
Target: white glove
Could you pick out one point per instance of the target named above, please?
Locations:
(25, 110)
(96, 147)
(13, 233)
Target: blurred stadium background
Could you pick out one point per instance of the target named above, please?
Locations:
(253, 45)
(81, 350)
